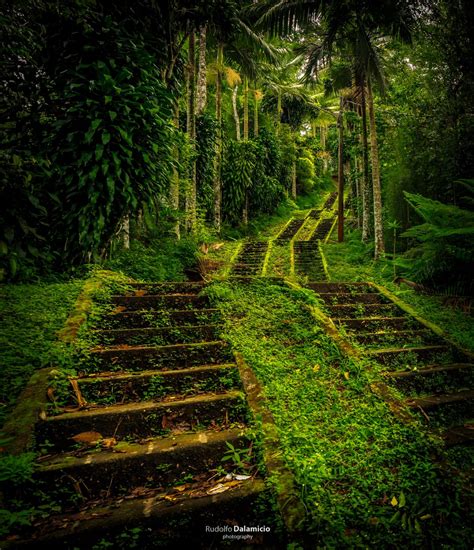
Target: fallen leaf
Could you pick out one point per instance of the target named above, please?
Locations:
(42, 415)
(220, 488)
(317, 368)
(139, 293)
(181, 488)
(108, 442)
(346, 375)
(88, 438)
(216, 246)
(394, 501)
(50, 394)
(239, 477)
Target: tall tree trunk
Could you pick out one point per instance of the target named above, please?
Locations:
(278, 113)
(191, 130)
(357, 187)
(201, 98)
(218, 158)
(126, 232)
(322, 131)
(340, 176)
(174, 187)
(374, 149)
(365, 187)
(246, 108)
(255, 114)
(236, 113)
(293, 169)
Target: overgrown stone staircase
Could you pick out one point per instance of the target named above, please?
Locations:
(435, 378)
(140, 441)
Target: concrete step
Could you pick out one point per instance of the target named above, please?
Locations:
(172, 287)
(161, 357)
(431, 401)
(364, 310)
(158, 462)
(160, 301)
(113, 388)
(393, 355)
(378, 323)
(354, 288)
(157, 336)
(154, 319)
(145, 419)
(347, 298)
(173, 518)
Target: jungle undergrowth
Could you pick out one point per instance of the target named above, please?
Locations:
(364, 477)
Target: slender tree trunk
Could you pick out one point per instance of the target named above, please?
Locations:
(191, 130)
(236, 113)
(378, 223)
(255, 116)
(313, 128)
(245, 211)
(365, 187)
(174, 187)
(218, 157)
(357, 186)
(340, 177)
(293, 169)
(201, 98)
(246, 108)
(278, 113)
(322, 131)
(126, 232)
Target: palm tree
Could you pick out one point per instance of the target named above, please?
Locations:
(352, 28)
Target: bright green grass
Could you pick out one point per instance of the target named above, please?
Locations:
(349, 454)
(32, 314)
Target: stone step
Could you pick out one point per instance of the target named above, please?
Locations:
(431, 401)
(322, 288)
(363, 310)
(160, 301)
(154, 319)
(290, 230)
(374, 323)
(172, 287)
(176, 520)
(157, 336)
(155, 463)
(161, 357)
(347, 298)
(145, 419)
(402, 336)
(429, 370)
(108, 388)
(389, 355)
(459, 435)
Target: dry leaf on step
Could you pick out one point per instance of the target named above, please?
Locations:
(216, 246)
(87, 438)
(108, 442)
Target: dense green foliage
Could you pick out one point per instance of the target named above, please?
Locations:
(350, 456)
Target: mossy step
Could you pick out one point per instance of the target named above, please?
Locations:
(156, 385)
(322, 230)
(151, 357)
(429, 370)
(145, 419)
(157, 336)
(164, 521)
(348, 298)
(459, 435)
(431, 401)
(381, 322)
(171, 287)
(387, 355)
(315, 214)
(161, 301)
(391, 336)
(363, 310)
(322, 288)
(154, 319)
(290, 230)
(154, 463)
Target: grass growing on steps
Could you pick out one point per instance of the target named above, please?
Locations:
(353, 261)
(365, 478)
